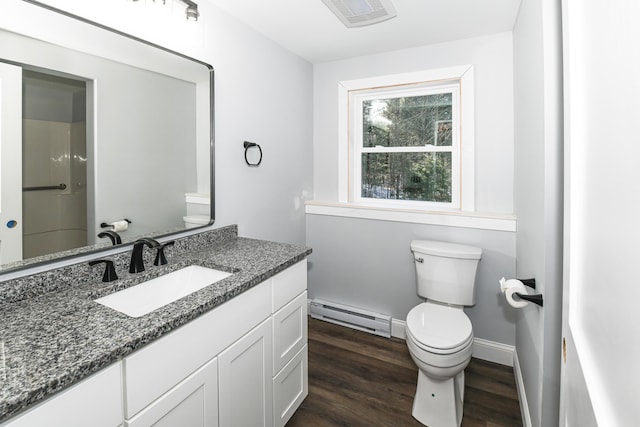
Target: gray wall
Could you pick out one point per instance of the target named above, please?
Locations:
(368, 264)
(538, 201)
(53, 99)
(48, 104)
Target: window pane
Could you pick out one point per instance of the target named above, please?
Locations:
(408, 121)
(407, 176)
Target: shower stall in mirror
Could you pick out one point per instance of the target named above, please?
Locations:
(54, 164)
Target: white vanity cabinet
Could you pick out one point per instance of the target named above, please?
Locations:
(94, 401)
(241, 364)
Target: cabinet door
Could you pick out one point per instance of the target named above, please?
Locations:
(192, 403)
(245, 380)
(95, 401)
(290, 387)
(289, 331)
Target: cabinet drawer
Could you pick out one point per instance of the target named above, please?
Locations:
(289, 331)
(289, 283)
(290, 387)
(193, 402)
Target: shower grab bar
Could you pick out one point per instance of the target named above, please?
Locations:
(46, 187)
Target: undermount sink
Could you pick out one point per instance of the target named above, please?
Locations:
(145, 297)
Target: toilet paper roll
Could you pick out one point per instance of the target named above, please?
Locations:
(509, 288)
(121, 225)
(512, 302)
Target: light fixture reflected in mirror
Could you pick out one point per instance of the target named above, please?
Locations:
(192, 10)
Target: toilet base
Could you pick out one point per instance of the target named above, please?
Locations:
(438, 403)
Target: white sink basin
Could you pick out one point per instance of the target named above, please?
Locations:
(141, 299)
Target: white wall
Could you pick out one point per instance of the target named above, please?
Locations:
(368, 263)
(538, 201)
(262, 93)
(601, 318)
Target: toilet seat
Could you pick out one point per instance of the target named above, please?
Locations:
(439, 329)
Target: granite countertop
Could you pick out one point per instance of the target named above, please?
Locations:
(53, 340)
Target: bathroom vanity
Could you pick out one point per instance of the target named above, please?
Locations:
(232, 353)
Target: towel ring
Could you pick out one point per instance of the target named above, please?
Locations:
(248, 145)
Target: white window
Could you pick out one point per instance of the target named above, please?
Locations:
(409, 141)
(406, 144)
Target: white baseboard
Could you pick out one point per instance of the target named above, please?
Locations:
(522, 394)
(398, 329)
(482, 349)
(493, 351)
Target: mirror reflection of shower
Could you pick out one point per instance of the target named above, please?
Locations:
(54, 163)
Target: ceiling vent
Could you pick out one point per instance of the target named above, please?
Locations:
(358, 13)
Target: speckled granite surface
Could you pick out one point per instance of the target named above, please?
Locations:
(50, 340)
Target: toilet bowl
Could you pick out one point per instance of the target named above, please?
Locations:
(440, 342)
(439, 335)
(191, 221)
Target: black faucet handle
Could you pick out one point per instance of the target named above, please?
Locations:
(109, 271)
(161, 259)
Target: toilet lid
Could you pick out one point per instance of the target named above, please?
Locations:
(439, 326)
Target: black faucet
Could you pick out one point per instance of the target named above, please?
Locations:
(115, 237)
(137, 262)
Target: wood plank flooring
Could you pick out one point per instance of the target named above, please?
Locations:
(358, 379)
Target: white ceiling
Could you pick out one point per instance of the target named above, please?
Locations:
(309, 29)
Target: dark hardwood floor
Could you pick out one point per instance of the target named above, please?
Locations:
(358, 379)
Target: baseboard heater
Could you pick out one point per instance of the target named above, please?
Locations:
(352, 317)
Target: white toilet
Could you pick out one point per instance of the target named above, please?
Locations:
(191, 221)
(439, 334)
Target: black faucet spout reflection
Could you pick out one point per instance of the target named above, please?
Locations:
(112, 235)
(137, 262)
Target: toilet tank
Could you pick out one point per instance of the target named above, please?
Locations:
(446, 272)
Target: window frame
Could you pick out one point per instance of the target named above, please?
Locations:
(357, 148)
(466, 172)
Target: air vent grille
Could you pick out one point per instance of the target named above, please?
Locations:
(358, 13)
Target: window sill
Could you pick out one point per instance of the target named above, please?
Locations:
(483, 221)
